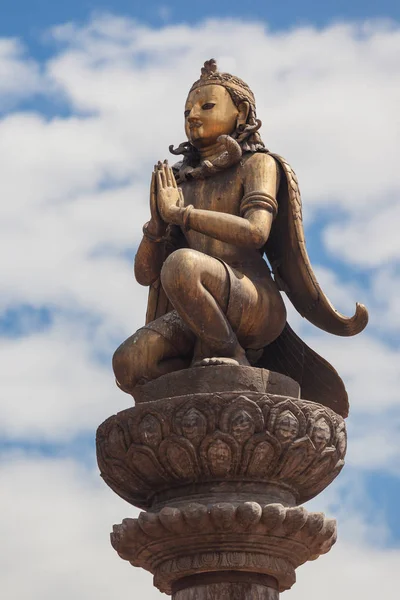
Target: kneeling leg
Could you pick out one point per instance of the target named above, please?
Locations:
(166, 345)
(198, 287)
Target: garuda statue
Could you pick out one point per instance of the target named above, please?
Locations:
(224, 240)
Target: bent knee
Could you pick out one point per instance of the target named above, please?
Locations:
(180, 267)
(131, 361)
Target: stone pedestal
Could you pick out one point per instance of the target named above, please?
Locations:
(220, 458)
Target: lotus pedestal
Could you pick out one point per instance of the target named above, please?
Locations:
(220, 459)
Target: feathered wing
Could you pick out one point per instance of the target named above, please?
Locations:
(287, 254)
(318, 380)
(288, 354)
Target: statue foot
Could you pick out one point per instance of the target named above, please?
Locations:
(221, 360)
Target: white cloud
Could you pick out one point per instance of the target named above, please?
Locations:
(57, 532)
(370, 238)
(350, 572)
(52, 388)
(369, 367)
(19, 76)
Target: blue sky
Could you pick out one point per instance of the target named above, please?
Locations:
(91, 95)
(29, 18)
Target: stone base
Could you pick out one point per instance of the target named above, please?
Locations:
(221, 457)
(224, 443)
(177, 543)
(217, 379)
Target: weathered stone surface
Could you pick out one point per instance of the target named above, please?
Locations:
(224, 378)
(226, 444)
(221, 471)
(227, 591)
(176, 543)
(226, 585)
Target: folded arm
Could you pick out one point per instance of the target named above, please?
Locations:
(257, 211)
(250, 231)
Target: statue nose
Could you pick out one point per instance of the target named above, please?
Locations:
(193, 118)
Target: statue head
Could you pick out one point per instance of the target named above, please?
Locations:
(229, 105)
(209, 113)
(219, 104)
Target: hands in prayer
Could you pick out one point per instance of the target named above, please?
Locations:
(169, 196)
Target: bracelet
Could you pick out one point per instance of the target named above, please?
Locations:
(150, 236)
(186, 217)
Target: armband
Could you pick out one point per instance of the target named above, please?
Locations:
(258, 200)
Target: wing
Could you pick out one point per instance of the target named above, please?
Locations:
(318, 380)
(287, 254)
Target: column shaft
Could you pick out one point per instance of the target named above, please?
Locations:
(229, 585)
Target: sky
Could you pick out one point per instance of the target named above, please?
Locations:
(91, 96)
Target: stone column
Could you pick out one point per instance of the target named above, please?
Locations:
(226, 585)
(220, 459)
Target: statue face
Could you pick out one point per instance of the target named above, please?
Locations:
(209, 113)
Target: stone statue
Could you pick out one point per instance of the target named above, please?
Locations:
(215, 216)
(236, 421)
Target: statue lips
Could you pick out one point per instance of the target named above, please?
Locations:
(194, 127)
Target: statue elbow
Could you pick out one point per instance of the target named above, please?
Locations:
(258, 238)
(144, 276)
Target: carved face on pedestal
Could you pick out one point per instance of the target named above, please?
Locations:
(321, 434)
(219, 455)
(286, 427)
(150, 431)
(242, 426)
(194, 425)
(209, 113)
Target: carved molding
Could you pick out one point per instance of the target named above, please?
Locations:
(208, 437)
(178, 542)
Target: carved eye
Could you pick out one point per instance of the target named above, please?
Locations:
(186, 113)
(208, 106)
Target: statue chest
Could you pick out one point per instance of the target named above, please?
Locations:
(221, 193)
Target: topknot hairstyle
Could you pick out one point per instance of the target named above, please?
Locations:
(234, 85)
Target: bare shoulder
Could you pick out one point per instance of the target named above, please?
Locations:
(259, 168)
(259, 160)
